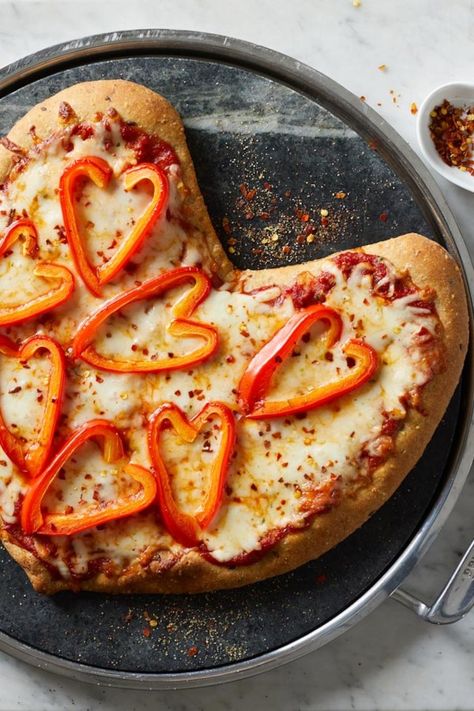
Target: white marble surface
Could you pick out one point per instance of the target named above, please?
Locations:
(391, 660)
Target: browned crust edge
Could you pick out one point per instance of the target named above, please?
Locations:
(428, 264)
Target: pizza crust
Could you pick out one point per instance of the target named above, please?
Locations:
(428, 265)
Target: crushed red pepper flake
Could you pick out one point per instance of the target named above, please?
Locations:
(247, 193)
(226, 226)
(452, 130)
(129, 616)
(12, 147)
(243, 187)
(192, 651)
(383, 217)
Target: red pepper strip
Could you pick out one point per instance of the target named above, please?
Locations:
(181, 325)
(32, 457)
(99, 171)
(256, 380)
(16, 313)
(185, 528)
(65, 524)
(20, 228)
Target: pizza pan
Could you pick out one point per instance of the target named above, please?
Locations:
(258, 118)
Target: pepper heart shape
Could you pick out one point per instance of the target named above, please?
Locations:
(33, 520)
(181, 326)
(100, 172)
(185, 528)
(256, 380)
(32, 457)
(16, 313)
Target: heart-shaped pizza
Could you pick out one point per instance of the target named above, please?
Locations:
(167, 422)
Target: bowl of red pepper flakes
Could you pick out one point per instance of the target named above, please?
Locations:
(445, 131)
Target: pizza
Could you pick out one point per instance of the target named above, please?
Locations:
(169, 423)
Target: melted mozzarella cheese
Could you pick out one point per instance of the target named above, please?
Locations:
(189, 465)
(87, 479)
(104, 395)
(23, 390)
(280, 465)
(12, 486)
(13, 267)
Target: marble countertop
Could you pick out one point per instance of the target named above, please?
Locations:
(391, 660)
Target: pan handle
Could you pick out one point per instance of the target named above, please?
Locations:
(453, 602)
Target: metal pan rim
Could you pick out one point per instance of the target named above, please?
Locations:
(310, 82)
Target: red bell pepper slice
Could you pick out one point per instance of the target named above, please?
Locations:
(186, 528)
(256, 380)
(31, 457)
(180, 326)
(33, 520)
(25, 228)
(17, 313)
(100, 172)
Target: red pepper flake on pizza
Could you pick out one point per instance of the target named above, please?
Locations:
(168, 423)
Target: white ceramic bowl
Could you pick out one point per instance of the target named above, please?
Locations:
(458, 94)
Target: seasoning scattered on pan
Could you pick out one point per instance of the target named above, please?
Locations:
(452, 131)
(276, 223)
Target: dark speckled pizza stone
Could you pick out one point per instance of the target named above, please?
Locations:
(244, 129)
